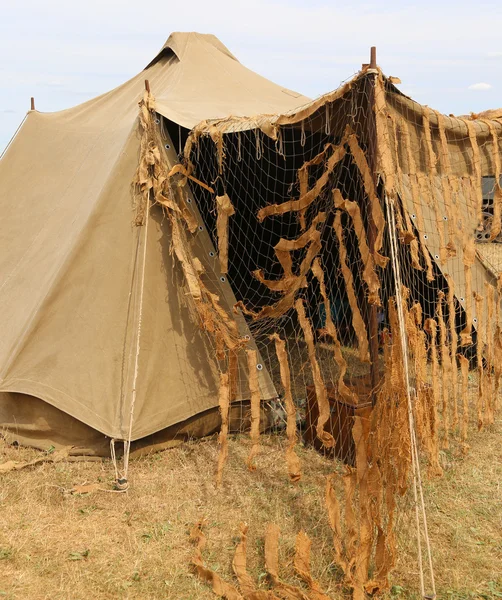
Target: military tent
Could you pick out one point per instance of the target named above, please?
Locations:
(98, 339)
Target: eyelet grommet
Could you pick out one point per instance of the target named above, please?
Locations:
(222, 279)
(259, 366)
(211, 254)
(201, 228)
(167, 146)
(426, 237)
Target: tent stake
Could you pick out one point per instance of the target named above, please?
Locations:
(32, 103)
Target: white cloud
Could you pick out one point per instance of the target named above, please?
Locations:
(480, 87)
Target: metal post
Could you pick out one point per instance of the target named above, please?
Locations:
(147, 85)
(32, 103)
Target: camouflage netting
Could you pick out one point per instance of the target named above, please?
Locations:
(351, 233)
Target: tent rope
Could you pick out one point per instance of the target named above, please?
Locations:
(122, 481)
(13, 137)
(113, 455)
(417, 478)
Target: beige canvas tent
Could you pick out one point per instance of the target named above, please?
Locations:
(71, 277)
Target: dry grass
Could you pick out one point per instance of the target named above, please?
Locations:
(135, 545)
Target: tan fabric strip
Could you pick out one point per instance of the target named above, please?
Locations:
(255, 407)
(445, 371)
(369, 273)
(476, 164)
(217, 137)
(360, 435)
(470, 191)
(338, 152)
(385, 160)
(225, 210)
(283, 250)
(417, 340)
(224, 402)
(186, 172)
(292, 460)
(320, 388)
(489, 336)
(286, 591)
(430, 326)
(497, 347)
(239, 564)
(479, 357)
(303, 184)
(335, 522)
(190, 220)
(449, 184)
(415, 195)
(302, 566)
(469, 258)
(431, 156)
(408, 234)
(14, 465)
(464, 369)
(497, 198)
(497, 362)
(294, 284)
(453, 348)
(357, 320)
(220, 587)
(370, 189)
(343, 389)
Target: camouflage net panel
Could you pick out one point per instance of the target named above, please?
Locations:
(388, 361)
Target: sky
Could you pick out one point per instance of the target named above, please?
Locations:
(447, 54)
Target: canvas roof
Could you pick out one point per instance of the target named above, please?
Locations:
(205, 81)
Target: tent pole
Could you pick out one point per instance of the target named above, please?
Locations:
(32, 103)
(373, 62)
(371, 309)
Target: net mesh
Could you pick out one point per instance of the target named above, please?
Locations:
(360, 238)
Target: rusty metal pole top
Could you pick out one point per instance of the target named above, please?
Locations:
(32, 103)
(147, 85)
(373, 61)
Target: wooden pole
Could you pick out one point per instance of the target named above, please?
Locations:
(147, 85)
(32, 103)
(373, 62)
(371, 155)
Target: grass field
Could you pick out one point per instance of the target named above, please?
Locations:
(54, 545)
